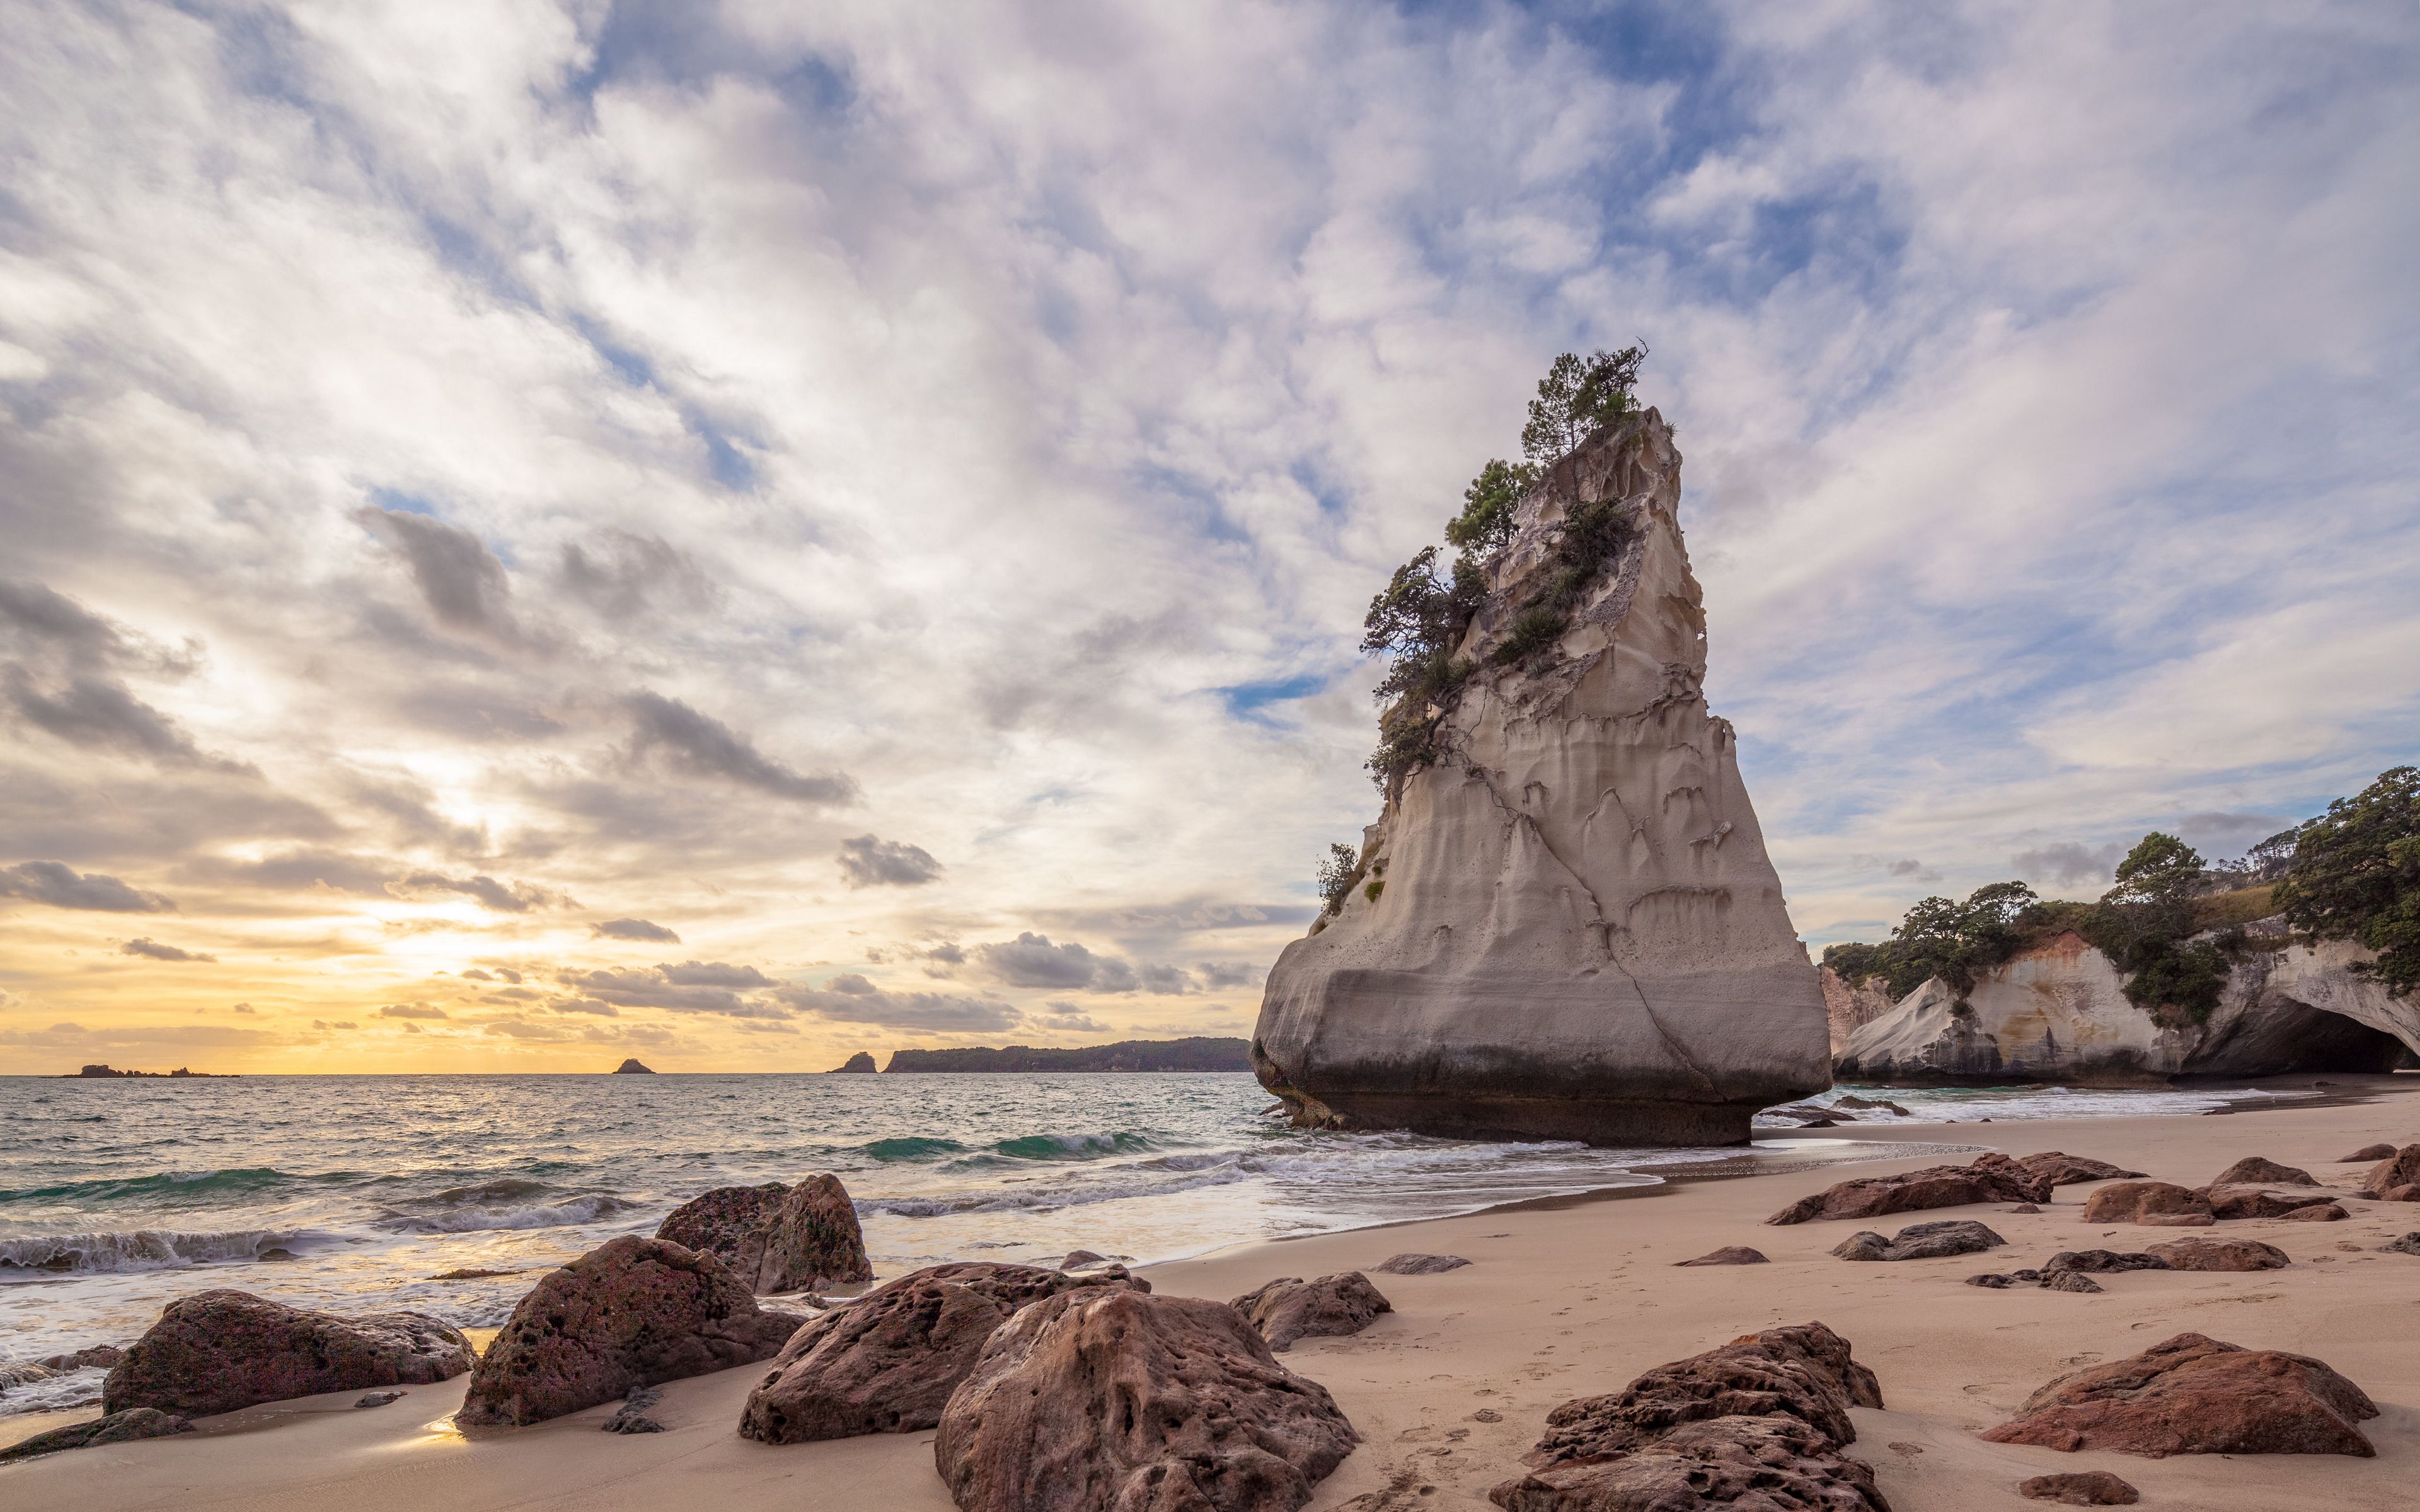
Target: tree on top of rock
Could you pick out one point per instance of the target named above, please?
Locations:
(2356, 875)
(1576, 398)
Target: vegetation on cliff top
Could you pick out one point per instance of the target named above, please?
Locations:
(2354, 873)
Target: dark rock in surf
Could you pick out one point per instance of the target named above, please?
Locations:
(217, 1350)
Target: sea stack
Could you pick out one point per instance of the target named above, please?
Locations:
(1564, 926)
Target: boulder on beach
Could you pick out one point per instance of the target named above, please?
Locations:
(1992, 1178)
(2060, 1168)
(2221, 1254)
(2257, 1170)
(2325, 1213)
(1919, 1241)
(777, 1237)
(217, 1350)
(2195, 1395)
(2080, 1487)
(2408, 1244)
(1728, 1255)
(2401, 1169)
(2103, 1260)
(117, 1427)
(1409, 1264)
(1291, 1309)
(1105, 1398)
(631, 1312)
(1764, 1415)
(887, 1362)
(1564, 924)
(2230, 1203)
(2368, 1153)
(2159, 1204)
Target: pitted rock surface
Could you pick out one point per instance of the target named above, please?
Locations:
(2195, 1395)
(1291, 1309)
(217, 1350)
(777, 1237)
(887, 1361)
(631, 1312)
(1109, 1399)
(1992, 1178)
(714, 1222)
(1747, 1462)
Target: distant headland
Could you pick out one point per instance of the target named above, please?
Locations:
(105, 1073)
(1195, 1053)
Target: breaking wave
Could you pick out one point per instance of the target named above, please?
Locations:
(141, 1249)
(478, 1217)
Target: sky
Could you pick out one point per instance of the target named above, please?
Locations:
(736, 532)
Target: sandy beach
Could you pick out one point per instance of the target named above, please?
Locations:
(1564, 1300)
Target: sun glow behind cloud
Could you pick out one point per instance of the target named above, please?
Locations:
(478, 476)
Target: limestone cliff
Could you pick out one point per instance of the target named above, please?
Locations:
(1566, 927)
(2058, 1012)
(1850, 1006)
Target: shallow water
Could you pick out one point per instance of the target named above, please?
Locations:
(355, 1193)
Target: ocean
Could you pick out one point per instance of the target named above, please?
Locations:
(356, 1192)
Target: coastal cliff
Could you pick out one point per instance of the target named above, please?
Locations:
(1198, 1054)
(2058, 1012)
(1564, 924)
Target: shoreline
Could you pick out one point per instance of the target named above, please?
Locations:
(1567, 1297)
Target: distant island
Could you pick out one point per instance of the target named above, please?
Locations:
(1197, 1054)
(858, 1062)
(105, 1073)
(632, 1068)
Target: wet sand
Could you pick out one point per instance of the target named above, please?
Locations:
(1564, 1299)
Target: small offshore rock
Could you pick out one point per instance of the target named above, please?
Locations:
(2196, 1395)
(632, 1068)
(2155, 1203)
(1920, 1241)
(2368, 1153)
(1991, 1178)
(96, 1357)
(2060, 1168)
(1728, 1255)
(1850, 1100)
(379, 1398)
(2257, 1170)
(860, 1063)
(217, 1350)
(2221, 1254)
(1103, 1398)
(1409, 1264)
(2080, 1487)
(1291, 1309)
(631, 1312)
(117, 1427)
(1080, 1256)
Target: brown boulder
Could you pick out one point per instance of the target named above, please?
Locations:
(2326, 1213)
(2135, 1202)
(887, 1361)
(2221, 1254)
(2080, 1487)
(1766, 1414)
(1408, 1264)
(631, 1312)
(217, 1350)
(716, 1222)
(2400, 1193)
(1291, 1309)
(1107, 1398)
(777, 1237)
(2103, 1260)
(1992, 1178)
(1752, 1462)
(1920, 1241)
(2368, 1153)
(2256, 1170)
(1728, 1255)
(2402, 1168)
(2229, 1203)
(117, 1427)
(2060, 1168)
(2193, 1395)
(2408, 1244)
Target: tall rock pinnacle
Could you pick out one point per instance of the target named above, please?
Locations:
(1564, 924)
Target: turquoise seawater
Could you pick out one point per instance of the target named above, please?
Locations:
(356, 1192)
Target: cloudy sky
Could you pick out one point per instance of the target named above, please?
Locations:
(739, 533)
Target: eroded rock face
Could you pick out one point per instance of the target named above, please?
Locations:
(2060, 1168)
(1767, 1414)
(1576, 932)
(117, 1427)
(1850, 1008)
(1419, 1264)
(217, 1350)
(1291, 1309)
(887, 1361)
(2221, 1254)
(714, 1222)
(1120, 1400)
(631, 1312)
(1920, 1241)
(2059, 1012)
(2160, 1204)
(777, 1237)
(1992, 1178)
(2195, 1395)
